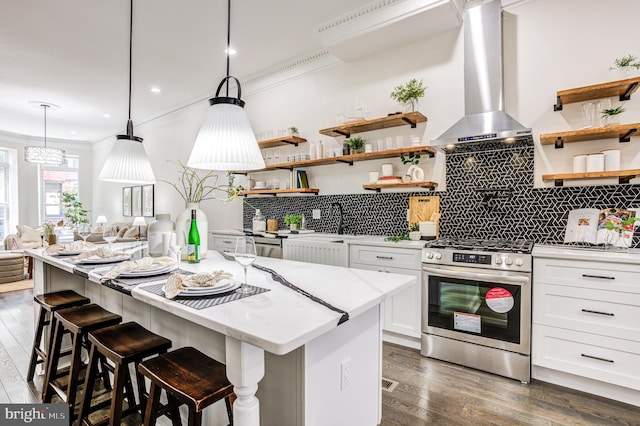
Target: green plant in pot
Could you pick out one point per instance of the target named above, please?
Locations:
(73, 209)
(49, 233)
(356, 144)
(628, 63)
(414, 173)
(294, 221)
(409, 94)
(414, 232)
(293, 131)
(610, 115)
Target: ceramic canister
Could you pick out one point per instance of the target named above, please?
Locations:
(611, 159)
(155, 233)
(595, 163)
(387, 169)
(580, 163)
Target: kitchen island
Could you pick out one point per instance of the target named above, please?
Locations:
(280, 348)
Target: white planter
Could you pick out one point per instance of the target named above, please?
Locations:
(414, 235)
(183, 224)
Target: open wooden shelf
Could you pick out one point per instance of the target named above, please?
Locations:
(349, 159)
(285, 140)
(623, 132)
(378, 186)
(275, 192)
(409, 118)
(621, 88)
(624, 176)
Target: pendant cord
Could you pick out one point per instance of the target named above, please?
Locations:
(130, 51)
(45, 125)
(228, 39)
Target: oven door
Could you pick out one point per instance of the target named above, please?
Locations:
(489, 308)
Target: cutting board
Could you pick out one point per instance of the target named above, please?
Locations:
(422, 209)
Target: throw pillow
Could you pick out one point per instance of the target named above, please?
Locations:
(131, 232)
(30, 235)
(122, 231)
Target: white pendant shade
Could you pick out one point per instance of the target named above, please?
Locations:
(43, 155)
(226, 141)
(127, 163)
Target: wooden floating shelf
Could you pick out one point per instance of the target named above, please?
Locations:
(280, 191)
(349, 159)
(285, 140)
(624, 176)
(378, 186)
(409, 118)
(621, 88)
(623, 132)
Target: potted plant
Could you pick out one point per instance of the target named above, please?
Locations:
(294, 221)
(408, 94)
(293, 131)
(414, 232)
(610, 115)
(414, 173)
(49, 233)
(626, 65)
(356, 144)
(73, 209)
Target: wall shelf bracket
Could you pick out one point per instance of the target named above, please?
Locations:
(349, 162)
(627, 136)
(558, 105)
(559, 143)
(558, 182)
(627, 94)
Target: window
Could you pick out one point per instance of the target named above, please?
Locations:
(55, 180)
(4, 194)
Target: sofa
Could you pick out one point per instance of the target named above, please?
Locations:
(125, 230)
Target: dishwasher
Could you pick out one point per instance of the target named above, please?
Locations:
(265, 246)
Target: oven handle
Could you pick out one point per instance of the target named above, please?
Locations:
(516, 279)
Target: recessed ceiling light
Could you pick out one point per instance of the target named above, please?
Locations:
(230, 51)
(106, 115)
(73, 132)
(155, 89)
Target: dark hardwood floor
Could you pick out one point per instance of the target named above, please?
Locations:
(429, 392)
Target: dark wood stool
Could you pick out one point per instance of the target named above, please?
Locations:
(78, 321)
(123, 344)
(188, 377)
(49, 304)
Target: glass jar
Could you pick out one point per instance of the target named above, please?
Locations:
(259, 222)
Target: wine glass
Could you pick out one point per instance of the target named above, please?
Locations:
(245, 255)
(177, 250)
(109, 234)
(84, 230)
(276, 155)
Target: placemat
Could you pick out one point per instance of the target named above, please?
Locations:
(206, 301)
(132, 282)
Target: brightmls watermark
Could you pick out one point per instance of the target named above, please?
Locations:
(35, 414)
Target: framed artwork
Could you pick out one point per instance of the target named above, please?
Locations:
(136, 201)
(147, 200)
(126, 201)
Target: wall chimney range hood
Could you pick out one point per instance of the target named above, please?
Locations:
(484, 118)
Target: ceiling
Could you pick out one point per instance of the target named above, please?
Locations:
(74, 53)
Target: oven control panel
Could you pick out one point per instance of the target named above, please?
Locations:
(474, 259)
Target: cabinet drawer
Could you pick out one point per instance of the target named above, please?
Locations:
(224, 243)
(597, 275)
(607, 313)
(601, 358)
(384, 256)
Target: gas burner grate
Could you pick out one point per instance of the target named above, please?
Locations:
(509, 246)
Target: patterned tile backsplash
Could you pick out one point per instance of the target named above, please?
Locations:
(489, 194)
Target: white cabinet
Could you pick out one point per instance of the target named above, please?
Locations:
(224, 243)
(586, 333)
(323, 252)
(402, 312)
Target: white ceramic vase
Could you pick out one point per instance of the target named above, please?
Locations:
(158, 231)
(183, 224)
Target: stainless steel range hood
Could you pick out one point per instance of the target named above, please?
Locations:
(484, 116)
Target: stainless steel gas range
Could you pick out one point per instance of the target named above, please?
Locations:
(477, 304)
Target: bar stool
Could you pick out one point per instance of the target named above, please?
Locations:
(123, 344)
(49, 304)
(78, 321)
(188, 377)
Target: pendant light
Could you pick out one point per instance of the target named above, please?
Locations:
(226, 140)
(127, 162)
(44, 155)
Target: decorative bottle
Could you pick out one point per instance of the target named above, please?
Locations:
(319, 150)
(193, 245)
(259, 222)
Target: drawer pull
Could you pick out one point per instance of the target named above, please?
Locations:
(385, 257)
(597, 358)
(589, 311)
(227, 242)
(602, 277)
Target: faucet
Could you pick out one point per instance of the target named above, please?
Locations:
(340, 226)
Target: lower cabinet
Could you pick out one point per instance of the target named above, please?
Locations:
(402, 312)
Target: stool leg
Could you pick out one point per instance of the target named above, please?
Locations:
(36, 344)
(227, 402)
(119, 380)
(142, 391)
(195, 417)
(52, 363)
(128, 385)
(174, 410)
(89, 383)
(153, 402)
(74, 369)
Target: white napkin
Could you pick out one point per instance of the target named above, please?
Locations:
(178, 282)
(100, 253)
(138, 265)
(74, 246)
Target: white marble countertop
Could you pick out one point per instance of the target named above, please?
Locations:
(279, 320)
(600, 254)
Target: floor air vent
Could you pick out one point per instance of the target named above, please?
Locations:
(388, 385)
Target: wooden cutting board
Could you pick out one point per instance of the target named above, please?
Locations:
(422, 209)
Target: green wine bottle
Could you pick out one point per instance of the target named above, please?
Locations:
(193, 245)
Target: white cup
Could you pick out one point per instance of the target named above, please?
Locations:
(168, 239)
(595, 163)
(579, 163)
(368, 147)
(611, 159)
(373, 177)
(399, 141)
(389, 142)
(387, 169)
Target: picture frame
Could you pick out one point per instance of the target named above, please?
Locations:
(126, 201)
(136, 201)
(147, 200)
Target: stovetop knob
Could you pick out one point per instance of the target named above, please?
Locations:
(508, 261)
(438, 256)
(498, 260)
(519, 261)
(429, 255)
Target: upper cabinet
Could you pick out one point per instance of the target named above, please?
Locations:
(395, 120)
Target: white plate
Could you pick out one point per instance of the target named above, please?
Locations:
(88, 261)
(67, 253)
(209, 291)
(148, 272)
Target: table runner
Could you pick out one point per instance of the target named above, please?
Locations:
(205, 301)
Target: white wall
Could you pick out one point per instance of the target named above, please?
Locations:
(550, 45)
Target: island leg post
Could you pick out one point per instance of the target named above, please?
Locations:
(245, 368)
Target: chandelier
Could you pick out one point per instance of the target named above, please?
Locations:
(42, 154)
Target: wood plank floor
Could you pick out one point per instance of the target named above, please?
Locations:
(429, 392)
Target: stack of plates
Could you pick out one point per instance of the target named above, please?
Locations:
(157, 270)
(98, 260)
(67, 253)
(390, 179)
(228, 285)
